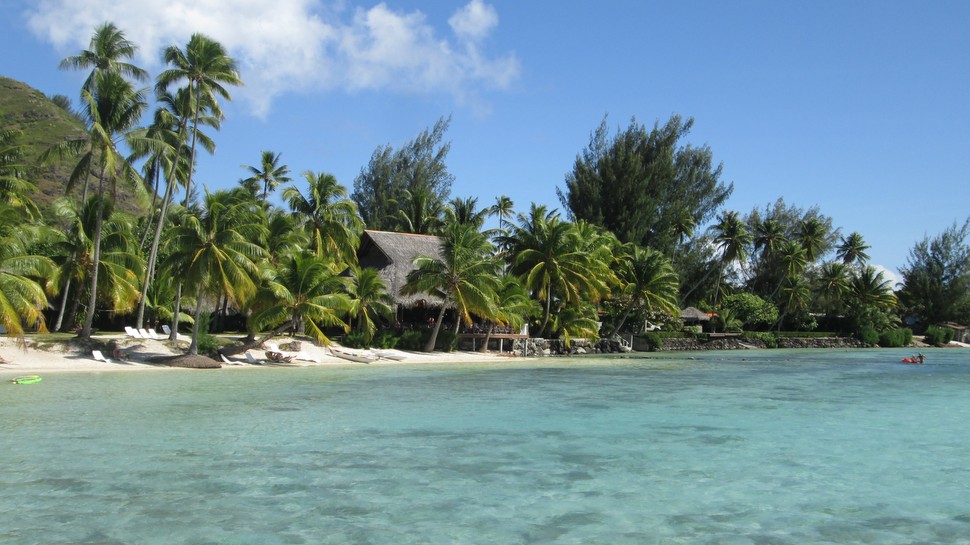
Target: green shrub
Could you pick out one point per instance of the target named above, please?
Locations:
(767, 337)
(414, 339)
(936, 335)
(208, 344)
(895, 338)
(355, 339)
(868, 335)
(654, 341)
(386, 339)
(447, 341)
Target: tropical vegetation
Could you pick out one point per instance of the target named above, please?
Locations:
(643, 233)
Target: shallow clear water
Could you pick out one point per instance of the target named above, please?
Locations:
(755, 447)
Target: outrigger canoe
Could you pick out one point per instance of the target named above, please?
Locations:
(29, 379)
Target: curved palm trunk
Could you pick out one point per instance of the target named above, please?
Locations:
(626, 314)
(434, 332)
(63, 307)
(488, 337)
(175, 315)
(547, 313)
(195, 132)
(96, 260)
(153, 257)
(151, 217)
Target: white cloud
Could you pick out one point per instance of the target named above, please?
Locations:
(888, 274)
(287, 45)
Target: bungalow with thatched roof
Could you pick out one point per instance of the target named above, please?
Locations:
(393, 254)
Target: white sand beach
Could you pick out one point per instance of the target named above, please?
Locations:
(144, 354)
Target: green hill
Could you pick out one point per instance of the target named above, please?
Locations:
(43, 124)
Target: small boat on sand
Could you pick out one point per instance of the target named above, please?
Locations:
(354, 355)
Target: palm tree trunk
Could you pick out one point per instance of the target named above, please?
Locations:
(626, 314)
(151, 216)
(153, 256)
(175, 314)
(195, 132)
(63, 308)
(488, 337)
(547, 313)
(194, 346)
(96, 260)
(434, 332)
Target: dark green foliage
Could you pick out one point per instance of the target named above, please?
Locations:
(868, 335)
(936, 279)
(753, 311)
(405, 190)
(645, 186)
(654, 341)
(386, 339)
(414, 339)
(936, 335)
(447, 341)
(895, 338)
(356, 339)
(769, 338)
(208, 344)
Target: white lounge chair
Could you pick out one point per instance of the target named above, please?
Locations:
(166, 330)
(154, 334)
(228, 361)
(99, 356)
(251, 359)
(132, 332)
(145, 334)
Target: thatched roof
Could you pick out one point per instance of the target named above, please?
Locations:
(393, 254)
(692, 314)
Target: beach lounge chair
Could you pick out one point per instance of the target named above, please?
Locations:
(154, 334)
(252, 359)
(228, 361)
(99, 356)
(132, 332)
(145, 334)
(166, 330)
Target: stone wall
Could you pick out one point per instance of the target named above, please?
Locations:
(672, 345)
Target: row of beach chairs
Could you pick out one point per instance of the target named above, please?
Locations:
(147, 333)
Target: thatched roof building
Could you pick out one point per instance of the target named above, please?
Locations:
(392, 254)
(693, 314)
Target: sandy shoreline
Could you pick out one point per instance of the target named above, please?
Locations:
(144, 355)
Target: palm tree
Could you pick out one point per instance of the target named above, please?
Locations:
(15, 189)
(831, 285)
(512, 306)
(769, 235)
(269, 172)
(22, 295)
(732, 238)
(554, 262)
(305, 296)
(119, 265)
(107, 48)
(330, 216)
(649, 283)
(813, 236)
(465, 211)
(206, 67)
(112, 108)
(368, 299)
(465, 277)
(216, 252)
(503, 209)
(853, 249)
(421, 212)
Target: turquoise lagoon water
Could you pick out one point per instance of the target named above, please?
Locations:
(757, 447)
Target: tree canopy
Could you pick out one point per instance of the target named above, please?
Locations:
(645, 186)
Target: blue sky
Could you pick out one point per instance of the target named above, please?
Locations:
(861, 108)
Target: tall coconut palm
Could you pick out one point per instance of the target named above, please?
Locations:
(112, 108)
(369, 299)
(207, 68)
(465, 211)
(464, 277)
(831, 285)
(512, 306)
(106, 53)
(732, 238)
(305, 295)
(648, 283)
(502, 209)
(270, 173)
(853, 249)
(420, 212)
(813, 235)
(216, 252)
(15, 189)
(331, 217)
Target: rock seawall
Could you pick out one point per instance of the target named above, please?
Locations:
(674, 345)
